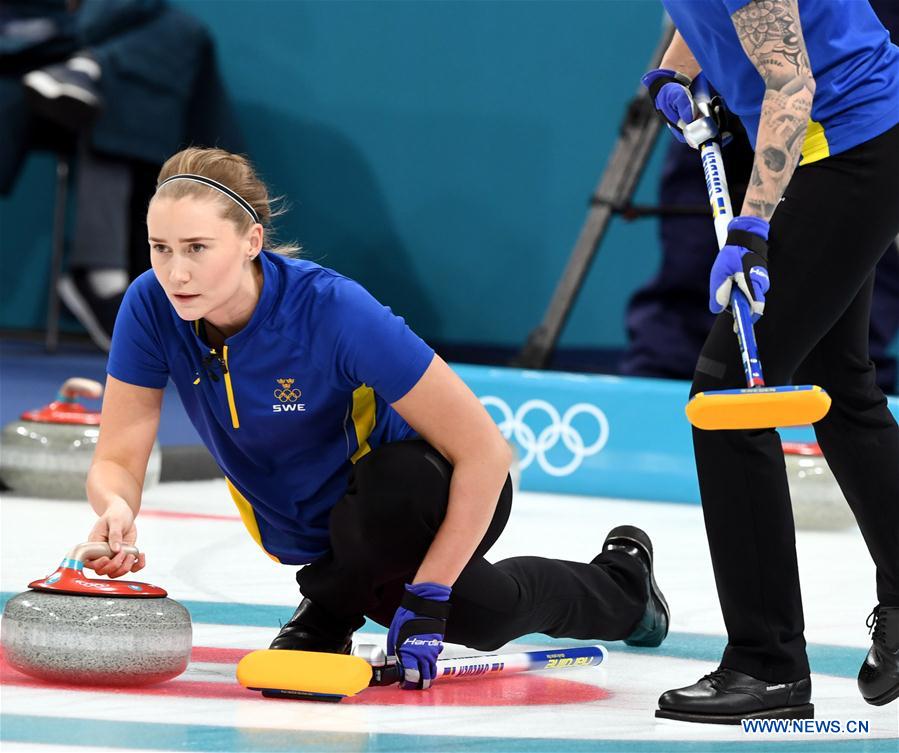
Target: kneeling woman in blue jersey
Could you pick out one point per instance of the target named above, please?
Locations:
(348, 445)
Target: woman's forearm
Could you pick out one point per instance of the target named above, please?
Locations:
(109, 482)
(129, 422)
(678, 57)
(474, 490)
(447, 415)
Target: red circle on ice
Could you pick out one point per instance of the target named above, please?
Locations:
(511, 690)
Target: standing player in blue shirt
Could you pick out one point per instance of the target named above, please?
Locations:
(347, 444)
(817, 86)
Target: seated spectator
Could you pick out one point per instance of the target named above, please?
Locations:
(123, 84)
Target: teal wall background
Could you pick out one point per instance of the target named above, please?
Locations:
(26, 227)
(441, 153)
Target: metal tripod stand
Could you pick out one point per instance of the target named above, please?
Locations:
(637, 135)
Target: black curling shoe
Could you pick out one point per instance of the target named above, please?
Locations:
(878, 679)
(653, 625)
(726, 697)
(312, 629)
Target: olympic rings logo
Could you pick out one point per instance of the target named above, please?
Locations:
(288, 396)
(536, 446)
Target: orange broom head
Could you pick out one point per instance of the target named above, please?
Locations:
(305, 671)
(758, 407)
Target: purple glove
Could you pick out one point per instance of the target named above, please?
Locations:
(670, 93)
(744, 258)
(416, 633)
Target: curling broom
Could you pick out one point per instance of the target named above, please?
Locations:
(308, 675)
(758, 406)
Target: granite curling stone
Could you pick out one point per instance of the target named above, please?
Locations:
(87, 631)
(818, 501)
(48, 451)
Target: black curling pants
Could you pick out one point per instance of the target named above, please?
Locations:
(381, 530)
(837, 217)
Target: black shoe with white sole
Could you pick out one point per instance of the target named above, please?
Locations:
(653, 625)
(67, 94)
(726, 697)
(95, 312)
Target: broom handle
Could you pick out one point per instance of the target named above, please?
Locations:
(490, 664)
(719, 198)
(525, 661)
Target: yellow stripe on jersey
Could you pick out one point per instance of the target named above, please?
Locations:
(815, 146)
(363, 419)
(248, 517)
(235, 422)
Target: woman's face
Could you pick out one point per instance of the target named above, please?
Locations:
(201, 260)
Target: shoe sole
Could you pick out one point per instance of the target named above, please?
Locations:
(884, 698)
(78, 306)
(63, 104)
(806, 711)
(636, 535)
(49, 88)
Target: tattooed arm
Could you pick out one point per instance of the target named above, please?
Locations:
(771, 35)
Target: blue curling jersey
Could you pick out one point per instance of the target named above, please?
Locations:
(297, 396)
(855, 66)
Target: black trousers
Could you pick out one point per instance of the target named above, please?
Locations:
(382, 528)
(837, 217)
(102, 227)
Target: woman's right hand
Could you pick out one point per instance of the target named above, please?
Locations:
(116, 526)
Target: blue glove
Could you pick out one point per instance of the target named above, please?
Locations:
(744, 258)
(416, 633)
(670, 93)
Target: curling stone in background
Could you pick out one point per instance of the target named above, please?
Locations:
(90, 631)
(818, 502)
(48, 452)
